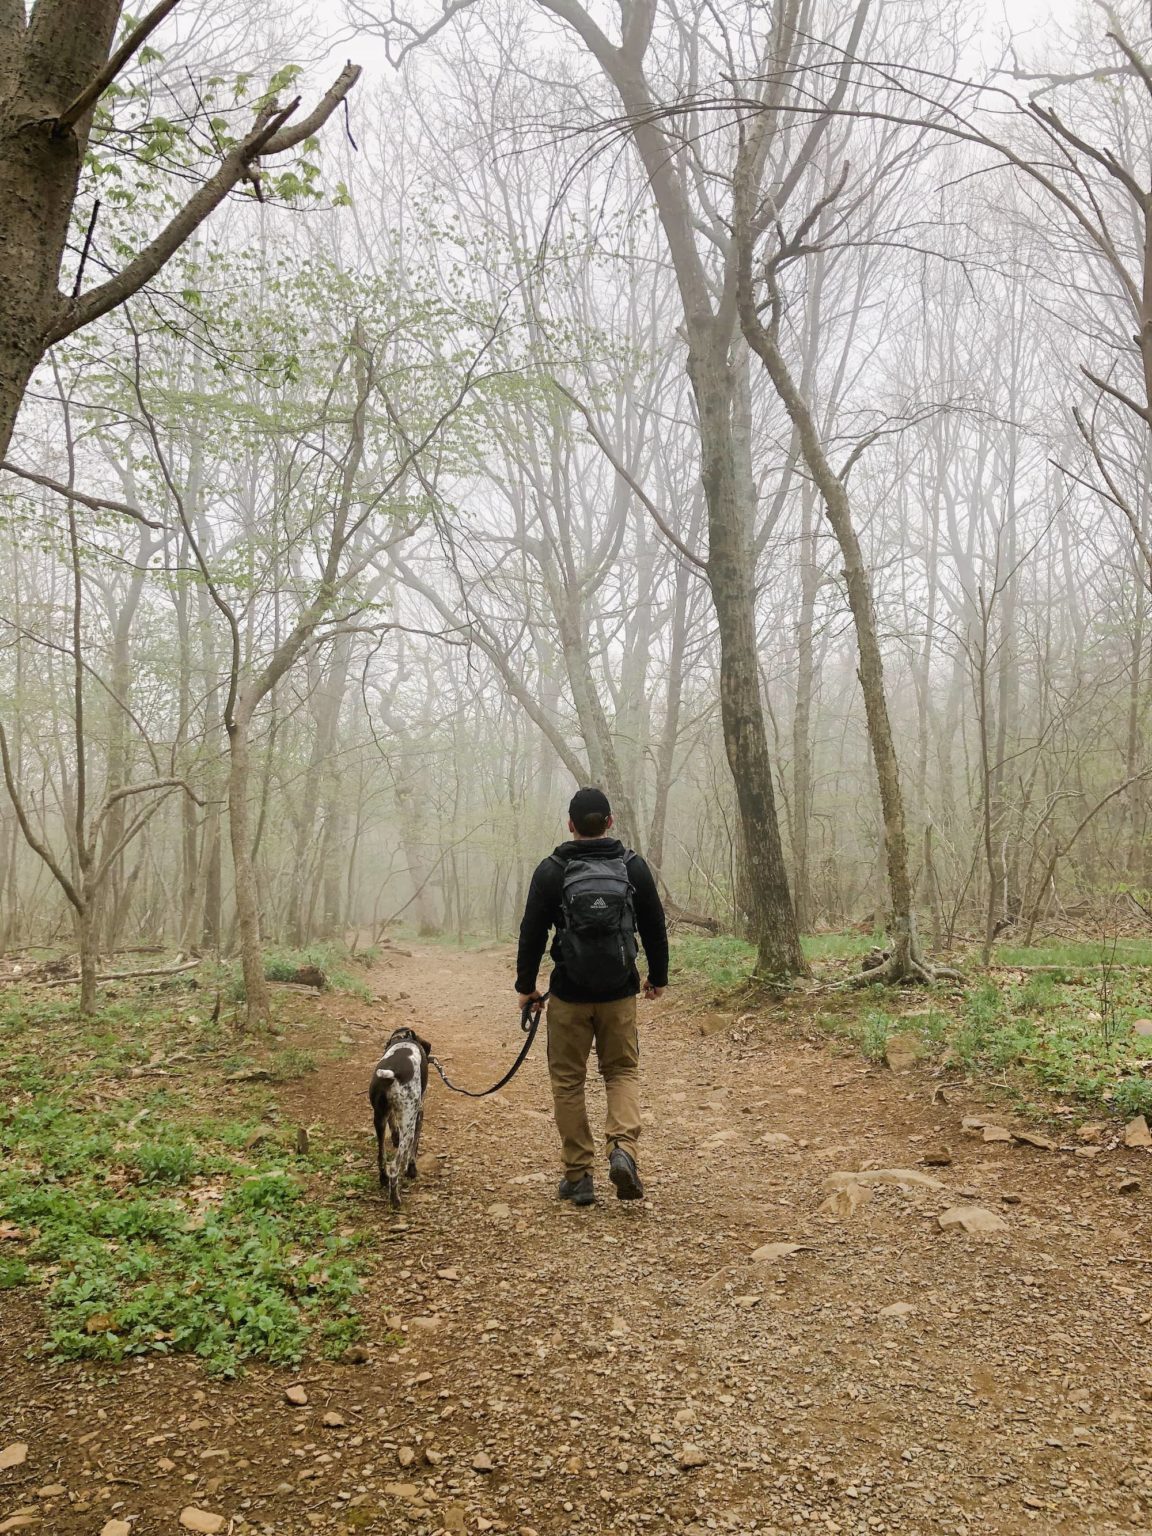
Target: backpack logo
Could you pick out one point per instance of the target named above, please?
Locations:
(599, 902)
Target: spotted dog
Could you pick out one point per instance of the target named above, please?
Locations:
(396, 1093)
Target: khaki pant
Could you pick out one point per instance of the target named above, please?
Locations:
(573, 1028)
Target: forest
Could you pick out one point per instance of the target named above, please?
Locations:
(412, 410)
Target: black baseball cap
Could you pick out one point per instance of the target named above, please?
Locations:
(588, 802)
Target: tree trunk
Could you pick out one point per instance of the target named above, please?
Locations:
(802, 719)
(905, 962)
(85, 927)
(731, 575)
(243, 871)
(44, 66)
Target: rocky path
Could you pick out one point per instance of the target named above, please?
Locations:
(726, 1357)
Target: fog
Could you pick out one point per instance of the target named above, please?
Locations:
(746, 411)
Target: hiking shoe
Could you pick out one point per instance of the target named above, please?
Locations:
(622, 1172)
(579, 1191)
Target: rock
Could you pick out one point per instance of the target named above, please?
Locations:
(713, 1024)
(116, 1528)
(771, 1253)
(845, 1201)
(691, 1456)
(997, 1133)
(447, 1274)
(777, 1140)
(427, 1324)
(482, 1462)
(938, 1157)
(500, 1211)
(871, 1176)
(53, 1491)
(403, 1491)
(1142, 1027)
(974, 1219)
(22, 1518)
(902, 1052)
(748, 1302)
(1091, 1133)
(1137, 1134)
(1035, 1139)
(897, 1309)
(685, 1416)
(454, 1518)
(296, 1395)
(405, 1455)
(14, 1455)
(433, 1458)
(718, 1138)
(333, 1420)
(1128, 1187)
(202, 1520)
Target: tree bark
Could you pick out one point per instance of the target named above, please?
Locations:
(243, 869)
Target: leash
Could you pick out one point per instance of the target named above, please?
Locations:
(530, 1016)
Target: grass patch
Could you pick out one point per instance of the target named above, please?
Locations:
(721, 962)
(341, 969)
(148, 1219)
(1051, 1032)
(840, 946)
(1077, 954)
(724, 961)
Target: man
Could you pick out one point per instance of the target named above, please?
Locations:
(598, 896)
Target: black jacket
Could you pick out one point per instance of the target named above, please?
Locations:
(542, 911)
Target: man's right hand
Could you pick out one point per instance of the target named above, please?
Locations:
(652, 992)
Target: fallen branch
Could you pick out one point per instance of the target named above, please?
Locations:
(169, 970)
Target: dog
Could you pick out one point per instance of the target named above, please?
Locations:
(396, 1093)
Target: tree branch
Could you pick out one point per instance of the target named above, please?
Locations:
(92, 92)
(30, 837)
(93, 503)
(269, 136)
(637, 490)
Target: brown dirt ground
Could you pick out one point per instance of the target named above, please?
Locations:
(582, 1351)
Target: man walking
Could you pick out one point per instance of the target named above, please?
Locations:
(598, 896)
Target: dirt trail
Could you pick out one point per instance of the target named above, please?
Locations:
(587, 1356)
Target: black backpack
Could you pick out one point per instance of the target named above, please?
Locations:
(597, 938)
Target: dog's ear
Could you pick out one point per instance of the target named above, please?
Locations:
(424, 1045)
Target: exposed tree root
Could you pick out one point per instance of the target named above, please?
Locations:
(903, 964)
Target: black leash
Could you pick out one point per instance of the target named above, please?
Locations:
(530, 1016)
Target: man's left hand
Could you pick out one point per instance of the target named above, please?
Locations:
(524, 998)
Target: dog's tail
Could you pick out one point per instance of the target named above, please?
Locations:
(386, 1074)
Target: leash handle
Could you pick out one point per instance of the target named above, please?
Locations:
(532, 1010)
(530, 1016)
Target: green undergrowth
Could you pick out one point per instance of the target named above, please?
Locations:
(154, 1204)
(725, 961)
(343, 971)
(1077, 953)
(1060, 1033)
(1051, 1034)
